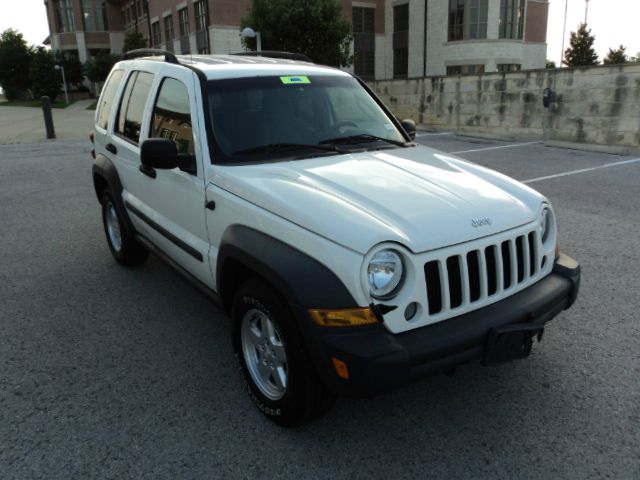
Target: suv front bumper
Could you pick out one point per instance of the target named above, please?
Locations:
(379, 361)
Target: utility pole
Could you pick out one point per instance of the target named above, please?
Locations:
(586, 11)
(564, 30)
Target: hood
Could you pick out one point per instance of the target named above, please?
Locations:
(417, 196)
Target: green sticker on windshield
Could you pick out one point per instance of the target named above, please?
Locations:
(295, 80)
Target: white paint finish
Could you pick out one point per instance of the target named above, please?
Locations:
(403, 197)
(493, 148)
(335, 209)
(582, 170)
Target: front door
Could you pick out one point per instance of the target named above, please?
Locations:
(173, 201)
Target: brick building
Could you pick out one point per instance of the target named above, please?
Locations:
(392, 38)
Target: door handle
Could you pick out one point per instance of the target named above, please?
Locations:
(111, 148)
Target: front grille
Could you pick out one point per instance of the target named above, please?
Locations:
(477, 274)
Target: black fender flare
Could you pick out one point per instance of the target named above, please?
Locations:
(301, 279)
(105, 175)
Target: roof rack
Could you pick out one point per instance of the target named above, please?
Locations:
(275, 54)
(150, 52)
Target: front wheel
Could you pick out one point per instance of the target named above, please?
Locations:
(280, 378)
(125, 249)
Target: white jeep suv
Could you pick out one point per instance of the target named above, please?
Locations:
(350, 259)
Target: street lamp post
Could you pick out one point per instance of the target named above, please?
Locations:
(586, 11)
(64, 83)
(249, 32)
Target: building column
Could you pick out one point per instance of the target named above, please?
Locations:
(83, 54)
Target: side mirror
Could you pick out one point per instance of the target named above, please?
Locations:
(159, 153)
(409, 127)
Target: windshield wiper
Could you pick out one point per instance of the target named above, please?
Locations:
(286, 147)
(361, 138)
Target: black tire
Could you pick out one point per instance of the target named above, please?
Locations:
(127, 251)
(304, 397)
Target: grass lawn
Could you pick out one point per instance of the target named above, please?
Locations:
(33, 103)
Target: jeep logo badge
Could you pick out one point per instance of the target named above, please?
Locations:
(480, 222)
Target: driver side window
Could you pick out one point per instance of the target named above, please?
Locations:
(172, 116)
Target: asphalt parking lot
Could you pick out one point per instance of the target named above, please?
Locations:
(114, 373)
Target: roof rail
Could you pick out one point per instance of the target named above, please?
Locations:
(150, 52)
(275, 54)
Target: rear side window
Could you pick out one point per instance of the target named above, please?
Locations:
(132, 105)
(107, 98)
(172, 115)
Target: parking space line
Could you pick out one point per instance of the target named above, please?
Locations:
(429, 134)
(494, 148)
(582, 170)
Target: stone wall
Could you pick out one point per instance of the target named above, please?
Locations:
(593, 105)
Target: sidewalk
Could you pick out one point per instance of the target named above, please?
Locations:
(26, 124)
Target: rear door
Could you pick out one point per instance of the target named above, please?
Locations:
(172, 202)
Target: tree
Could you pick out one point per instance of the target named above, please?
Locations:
(45, 79)
(550, 64)
(581, 51)
(133, 41)
(72, 66)
(315, 28)
(616, 56)
(15, 57)
(98, 67)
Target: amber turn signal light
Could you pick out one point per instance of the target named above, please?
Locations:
(341, 368)
(346, 317)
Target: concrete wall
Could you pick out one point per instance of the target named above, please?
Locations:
(594, 105)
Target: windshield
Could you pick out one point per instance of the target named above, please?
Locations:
(264, 118)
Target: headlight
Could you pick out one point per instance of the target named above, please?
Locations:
(545, 224)
(385, 274)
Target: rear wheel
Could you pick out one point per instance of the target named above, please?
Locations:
(125, 249)
(280, 378)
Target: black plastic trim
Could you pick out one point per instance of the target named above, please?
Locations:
(165, 233)
(301, 279)
(379, 361)
(148, 171)
(104, 170)
(385, 109)
(202, 288)
(150, 52)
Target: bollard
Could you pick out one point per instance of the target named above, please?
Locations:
(48, 118)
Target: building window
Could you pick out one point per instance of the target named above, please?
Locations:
(363, 20)
(168, 28)
(155, 34)
(94, 15)
(465, 69)
(183, 22)
(511, 19)
(65, 20)
(509, 67)
(468, 19)
(201, 15)
(202, 23)
(401, 41)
